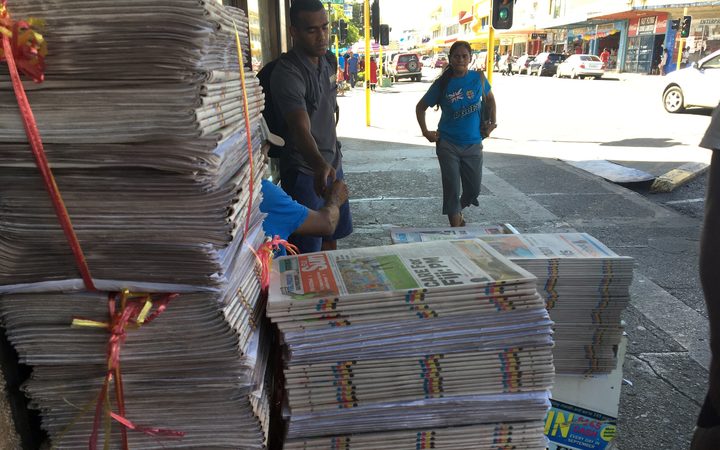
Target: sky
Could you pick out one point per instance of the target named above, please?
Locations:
(404, 14)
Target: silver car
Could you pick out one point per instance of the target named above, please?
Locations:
(581, 66)
(698, 85)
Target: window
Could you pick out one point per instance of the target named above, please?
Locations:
(713, 63)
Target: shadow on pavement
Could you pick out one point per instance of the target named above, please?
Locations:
(643, 142)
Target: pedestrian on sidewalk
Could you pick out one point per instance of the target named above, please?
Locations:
(663, 60)
(707, 432)
(373, 73)
(307, 96)
(605, 58)
(459, 93)
(685, 57)
(351, 68)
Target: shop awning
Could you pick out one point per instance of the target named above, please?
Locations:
(466, 17)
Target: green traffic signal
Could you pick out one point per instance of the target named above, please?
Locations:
(503, 14)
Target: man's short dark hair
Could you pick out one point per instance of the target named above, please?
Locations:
(299, 6)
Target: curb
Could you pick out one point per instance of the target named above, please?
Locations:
(669, 181)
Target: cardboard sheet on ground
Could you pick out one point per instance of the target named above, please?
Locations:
(613, 172)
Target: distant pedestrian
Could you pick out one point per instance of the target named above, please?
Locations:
(351, 68)
(663, 61)
(458, 141)
(685, 57)
(605, 58)
(497, 60)
(707, 432)
(373, 73)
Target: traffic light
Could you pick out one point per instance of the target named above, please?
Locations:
(675, 24)
(375, 19)
(685, 26)
(384, 34)
(502, 14)
(342, 35)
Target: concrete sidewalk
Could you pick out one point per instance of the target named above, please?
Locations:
(398, 184)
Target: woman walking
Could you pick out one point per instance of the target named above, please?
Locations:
(458, 141)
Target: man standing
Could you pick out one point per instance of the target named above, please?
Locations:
(352, 68)
(685, 57)
(605, 58)
(304, 88)
(707, 433)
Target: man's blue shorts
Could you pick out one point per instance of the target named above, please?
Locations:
(300, 187)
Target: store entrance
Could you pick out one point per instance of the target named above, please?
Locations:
(612, 43)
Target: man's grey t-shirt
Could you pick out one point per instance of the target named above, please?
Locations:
(312, 88)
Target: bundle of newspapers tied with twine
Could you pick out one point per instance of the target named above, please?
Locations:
(143, 119)
(441, 344)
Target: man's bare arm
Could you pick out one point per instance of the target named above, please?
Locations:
(324, 221)
(299, 127)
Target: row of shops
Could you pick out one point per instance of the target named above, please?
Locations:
(635, 39)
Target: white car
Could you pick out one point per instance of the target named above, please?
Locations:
(698, 85)
(581, 66)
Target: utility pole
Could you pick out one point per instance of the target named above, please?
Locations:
(367, 62)
(491, 47)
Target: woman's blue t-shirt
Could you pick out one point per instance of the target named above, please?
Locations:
(461, 108)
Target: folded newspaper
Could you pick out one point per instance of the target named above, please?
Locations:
(447, 337)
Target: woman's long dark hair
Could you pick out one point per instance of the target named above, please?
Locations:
(444, 79)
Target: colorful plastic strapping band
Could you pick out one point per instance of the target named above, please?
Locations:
(133, 312)
(246, 109)
(27, 47)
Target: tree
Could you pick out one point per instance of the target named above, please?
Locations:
(353, 33)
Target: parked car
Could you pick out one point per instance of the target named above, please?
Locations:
(521, 65)
(698, 85)
(405, 65)
(426, 60)
(440, 61)
(581, 66)
(545, 64)
(478, 61)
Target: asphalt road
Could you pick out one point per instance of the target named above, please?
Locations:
(544, 122)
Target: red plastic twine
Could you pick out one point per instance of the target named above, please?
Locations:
(132, 313)
(246, 109)
(36, 145)
(265, 255)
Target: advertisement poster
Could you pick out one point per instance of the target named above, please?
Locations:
(568, 427)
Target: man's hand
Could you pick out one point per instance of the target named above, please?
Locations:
(322, 175)
(337, 194)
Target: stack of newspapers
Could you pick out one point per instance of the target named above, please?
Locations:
(586, 288)
(442, 344)
(143, 122)
(406, 235)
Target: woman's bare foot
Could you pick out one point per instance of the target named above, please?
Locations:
(456, 220)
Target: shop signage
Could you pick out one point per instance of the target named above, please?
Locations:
(646, 25)
(707, 22)
(539, 36)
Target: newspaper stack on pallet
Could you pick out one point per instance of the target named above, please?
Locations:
(142, 120)
(447, 340)
(586, 288)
